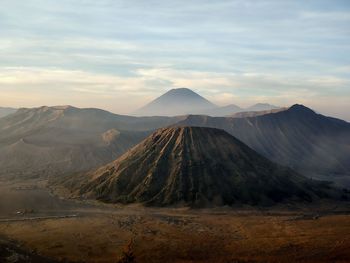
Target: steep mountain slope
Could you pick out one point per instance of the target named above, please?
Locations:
(4, 111)
(176, 102)
(56, 140)
(310, 143)
(194, 166)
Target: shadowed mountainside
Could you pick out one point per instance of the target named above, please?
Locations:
(57, 140)
(197, 167)
(310, 143)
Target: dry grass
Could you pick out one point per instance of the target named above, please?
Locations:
(100, 234)
(189, 238)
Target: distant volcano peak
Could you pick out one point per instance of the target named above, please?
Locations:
(179, 90)
(178, 101)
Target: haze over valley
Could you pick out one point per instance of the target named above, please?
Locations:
(174, 131)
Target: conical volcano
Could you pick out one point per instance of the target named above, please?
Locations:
(180, 101)
(198, 167)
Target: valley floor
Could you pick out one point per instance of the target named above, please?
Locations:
(35, 225)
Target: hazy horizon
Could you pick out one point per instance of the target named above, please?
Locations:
(120, 55)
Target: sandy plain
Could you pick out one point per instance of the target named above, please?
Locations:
(37, 226)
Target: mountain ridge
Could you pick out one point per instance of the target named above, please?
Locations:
(50, 141)
(308, 142)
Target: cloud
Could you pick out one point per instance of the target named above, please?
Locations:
(231, 51)
(34, 86)
(65, 86)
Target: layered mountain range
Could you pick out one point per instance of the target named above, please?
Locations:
(63, 139)
(183, 101)
(195, 166)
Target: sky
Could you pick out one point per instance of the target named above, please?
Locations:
(119, 55)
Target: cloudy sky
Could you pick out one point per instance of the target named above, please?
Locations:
(118, 55)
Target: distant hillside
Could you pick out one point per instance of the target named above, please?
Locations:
(4, 111)
(310, 143)
(197, 167)
(261, 107)
(223, 111)
(57, 140)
